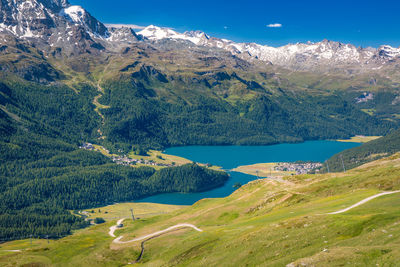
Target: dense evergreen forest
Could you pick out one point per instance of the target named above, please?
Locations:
(43, 175)
(373, 150)
(138, 116)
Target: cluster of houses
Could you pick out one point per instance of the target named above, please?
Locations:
(87, 146)
(298, 168)
(365, 97)
(125, 160)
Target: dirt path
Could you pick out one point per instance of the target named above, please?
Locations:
(364, 201)
(142, 246)
(98, 108)
(115, 227)
(98, 105)
(156, 234)
(149, 236)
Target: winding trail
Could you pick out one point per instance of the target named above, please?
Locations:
(99, 107)
(149, 236)
(156, 234)
(364, 201)
(115, 227)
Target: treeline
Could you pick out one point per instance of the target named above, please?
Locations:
(85, 187)
(188, 178)
(39, 221)
(55, 111)
(373, 150)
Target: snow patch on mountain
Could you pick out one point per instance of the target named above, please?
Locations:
(389, 52)
(300, 55)
(157, 33)
(75, 14)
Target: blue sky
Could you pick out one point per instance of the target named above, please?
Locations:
(363, 23)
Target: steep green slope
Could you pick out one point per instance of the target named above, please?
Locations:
(264, 223)
(141, 113)
(382, 147)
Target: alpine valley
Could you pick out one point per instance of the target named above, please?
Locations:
(68, 80)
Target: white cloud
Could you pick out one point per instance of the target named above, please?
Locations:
(274, 25)
(133, 26)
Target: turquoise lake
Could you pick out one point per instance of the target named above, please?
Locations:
(230, 157)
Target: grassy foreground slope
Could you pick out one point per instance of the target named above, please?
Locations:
(265, 223)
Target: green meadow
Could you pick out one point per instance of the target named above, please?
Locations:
(264, 223)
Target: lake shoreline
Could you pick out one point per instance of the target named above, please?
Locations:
(230, 157)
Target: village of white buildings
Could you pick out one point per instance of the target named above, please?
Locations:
(124, 159)
(298, 168)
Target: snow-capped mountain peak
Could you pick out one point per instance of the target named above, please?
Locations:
(157, 33)
(75, 14)
(79, 16)
(388, 52)
(197, 34)
(299, 56)
(53, 23)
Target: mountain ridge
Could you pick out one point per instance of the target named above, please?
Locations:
(290, 55)
(58, 24)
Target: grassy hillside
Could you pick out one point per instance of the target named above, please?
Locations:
(360, 139)
(267, 222)
(123, 210)
(375, 149)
